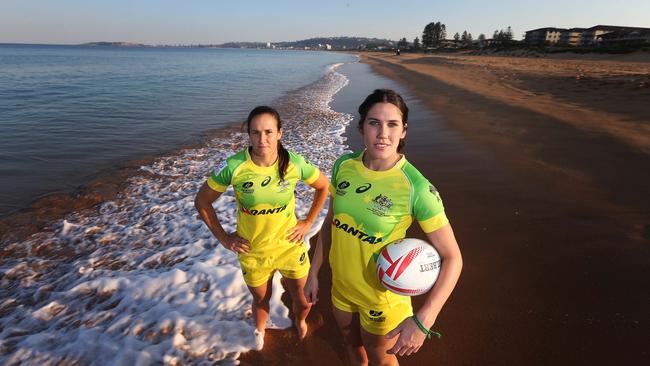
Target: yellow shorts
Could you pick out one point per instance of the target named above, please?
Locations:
(379, 320)
(292, 263)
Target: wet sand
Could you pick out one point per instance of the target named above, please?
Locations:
(546, 186)
(544, 175)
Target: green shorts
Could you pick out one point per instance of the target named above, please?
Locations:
(378, 320)
(292, 263)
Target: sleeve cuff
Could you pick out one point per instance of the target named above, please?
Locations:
(434, 223)
(216, 186)
(313, 177)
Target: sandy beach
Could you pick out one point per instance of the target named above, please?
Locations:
(544, 168)
(546, 184)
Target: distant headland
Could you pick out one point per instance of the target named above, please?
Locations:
(117, 44)
(319, 43)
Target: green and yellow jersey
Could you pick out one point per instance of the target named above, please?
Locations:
(372, 209)
(265, 204)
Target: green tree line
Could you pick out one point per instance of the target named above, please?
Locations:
(435, 33)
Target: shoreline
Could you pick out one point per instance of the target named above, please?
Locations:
(551, 218)
(49, 208)
(170, 109)
(107, 184)
(555, 251)
(547, 238)
(547, 148)
(148, 239)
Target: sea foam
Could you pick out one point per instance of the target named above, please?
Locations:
(141, 280)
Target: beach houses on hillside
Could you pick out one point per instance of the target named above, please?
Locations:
(599, 34)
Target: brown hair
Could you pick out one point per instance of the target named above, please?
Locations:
(385, 96)
(283, 154)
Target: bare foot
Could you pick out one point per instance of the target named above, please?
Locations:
(302, 330)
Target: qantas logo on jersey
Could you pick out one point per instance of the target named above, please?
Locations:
(356, 232)
(267, 211)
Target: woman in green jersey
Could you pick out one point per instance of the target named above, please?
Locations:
(376, 194)
(268, 236)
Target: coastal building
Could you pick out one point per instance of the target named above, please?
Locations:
(633, 37)
(548, 35)
(598, 34)
(571, 37)
(592, 35)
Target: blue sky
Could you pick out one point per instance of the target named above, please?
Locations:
(215, 21)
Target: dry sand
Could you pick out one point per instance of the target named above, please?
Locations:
(549, 198)
(604, 97)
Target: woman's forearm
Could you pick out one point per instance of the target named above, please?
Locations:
(320, 196)
(322, 250)
(451, 266)
(437, 297)
(209, 216)
(203, 204)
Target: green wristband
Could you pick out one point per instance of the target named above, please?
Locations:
(424, 330)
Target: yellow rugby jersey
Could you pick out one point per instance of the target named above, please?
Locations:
(265, 205)
(372, 209)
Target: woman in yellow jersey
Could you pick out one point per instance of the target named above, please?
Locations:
(268, 237)
(376, 194)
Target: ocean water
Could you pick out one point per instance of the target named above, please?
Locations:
(140, 280)
(68, 113)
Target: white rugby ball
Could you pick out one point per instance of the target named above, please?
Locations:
(408, 266)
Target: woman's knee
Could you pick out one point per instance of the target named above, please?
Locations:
(358, 355)
(261, 294)
(376, 349)
(300, 302)
(378, 356)
(261, 302)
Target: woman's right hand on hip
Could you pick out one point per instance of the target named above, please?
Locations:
(236, 244)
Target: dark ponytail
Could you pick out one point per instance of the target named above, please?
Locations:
(283, 154)
(283, 160)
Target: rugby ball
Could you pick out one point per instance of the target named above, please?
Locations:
(408, 266)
